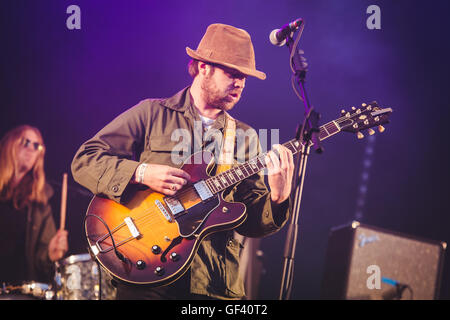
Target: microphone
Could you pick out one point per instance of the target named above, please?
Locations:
(278, 36)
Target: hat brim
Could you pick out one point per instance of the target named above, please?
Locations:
(247, 71)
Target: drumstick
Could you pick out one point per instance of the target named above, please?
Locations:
(62, 221)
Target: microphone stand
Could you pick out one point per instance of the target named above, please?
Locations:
(308, 135)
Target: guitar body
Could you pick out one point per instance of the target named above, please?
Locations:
(152, 245)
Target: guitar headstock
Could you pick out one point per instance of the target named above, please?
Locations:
(364, 118)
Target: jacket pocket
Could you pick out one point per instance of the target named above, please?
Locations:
(165, 151)
(234, 281)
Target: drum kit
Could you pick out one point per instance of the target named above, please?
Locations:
(77, 277)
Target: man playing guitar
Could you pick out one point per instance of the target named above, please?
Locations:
(136, 149)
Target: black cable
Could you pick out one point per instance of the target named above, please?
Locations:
(118, 254)
(411, 297)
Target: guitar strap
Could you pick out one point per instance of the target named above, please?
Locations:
(225, 163)
(227, 150)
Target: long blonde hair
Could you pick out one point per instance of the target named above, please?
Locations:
(32, 186)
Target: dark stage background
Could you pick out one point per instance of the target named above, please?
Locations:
(70, 83)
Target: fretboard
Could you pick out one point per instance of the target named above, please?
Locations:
(238, 173)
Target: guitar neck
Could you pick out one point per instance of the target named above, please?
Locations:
(236, 174)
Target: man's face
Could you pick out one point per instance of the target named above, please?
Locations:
(222, 87)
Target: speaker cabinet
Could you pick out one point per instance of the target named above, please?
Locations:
(369, 263)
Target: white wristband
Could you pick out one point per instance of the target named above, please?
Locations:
(140, 172)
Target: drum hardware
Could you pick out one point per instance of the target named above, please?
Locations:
(78, 277)
(27, 291)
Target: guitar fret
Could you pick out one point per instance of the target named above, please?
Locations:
(224, 180)
(332, 128)
(217, 183)
(290, 146)
(211, 186)
(230, 179)
(231, 176)
(246, 174)
(261, 163)
(221, 183)
(239, 172)
(295, 145)
(248, 169)
(323, 134)
(253, 165)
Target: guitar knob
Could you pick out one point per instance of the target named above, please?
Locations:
(360, 135)
(159, 271)
(140, 265)
(174, 256)
(371, 131)
(381, 128)
(156, 249)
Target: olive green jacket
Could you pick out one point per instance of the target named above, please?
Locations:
(40, 230)
(148, 133)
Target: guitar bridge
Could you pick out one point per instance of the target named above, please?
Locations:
(132, 227)
(135, 234)
(163, 211)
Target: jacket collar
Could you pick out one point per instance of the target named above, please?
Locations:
(182, 102)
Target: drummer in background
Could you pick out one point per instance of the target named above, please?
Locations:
(29, 242)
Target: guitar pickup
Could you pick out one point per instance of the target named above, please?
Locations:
(174, 205)
(203, 191)
(132, 227)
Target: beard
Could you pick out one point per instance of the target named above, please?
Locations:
(217, 98)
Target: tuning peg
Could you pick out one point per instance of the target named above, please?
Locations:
(381, 128)
(359, 135)
(363, 104)
(371, 131)
(353, 108)
(343, 111)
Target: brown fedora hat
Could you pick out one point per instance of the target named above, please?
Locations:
(228, 46)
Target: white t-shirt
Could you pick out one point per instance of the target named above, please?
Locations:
(207, 122)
